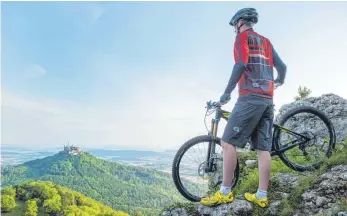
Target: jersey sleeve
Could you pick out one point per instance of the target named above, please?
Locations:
(280, 67)
(241, 54)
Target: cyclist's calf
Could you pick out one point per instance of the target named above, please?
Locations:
(264, 168)
(229, 164)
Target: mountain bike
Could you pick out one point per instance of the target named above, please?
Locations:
(302, 138)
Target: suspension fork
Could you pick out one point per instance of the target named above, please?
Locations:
(212, 145)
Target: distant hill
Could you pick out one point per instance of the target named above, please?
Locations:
(158, 160)
(126, 188)
(46, 198)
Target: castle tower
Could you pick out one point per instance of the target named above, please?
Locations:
(66, 148)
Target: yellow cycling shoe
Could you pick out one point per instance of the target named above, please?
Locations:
(263, 202)
(217, 199)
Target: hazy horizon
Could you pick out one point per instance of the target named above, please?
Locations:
(58, 148)
(137, 75)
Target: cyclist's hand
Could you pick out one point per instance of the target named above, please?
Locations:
(224, 99)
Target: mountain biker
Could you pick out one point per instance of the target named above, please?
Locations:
(252, 117)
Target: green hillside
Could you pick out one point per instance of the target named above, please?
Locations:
(45, 198)
(127, 188)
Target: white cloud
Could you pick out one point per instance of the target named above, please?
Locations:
(16, 101)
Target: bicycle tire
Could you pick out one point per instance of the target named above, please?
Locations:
(177, 159)
(327, 122)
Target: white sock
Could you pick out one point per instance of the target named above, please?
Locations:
(261, 194)
(225, 190)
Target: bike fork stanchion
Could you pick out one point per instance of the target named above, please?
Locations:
(211, 146)
(207, 164)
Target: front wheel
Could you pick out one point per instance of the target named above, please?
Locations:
(188, 168)
(311, 123)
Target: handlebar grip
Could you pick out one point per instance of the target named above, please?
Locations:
(211, 104)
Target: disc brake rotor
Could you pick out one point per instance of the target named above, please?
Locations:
(201, 171)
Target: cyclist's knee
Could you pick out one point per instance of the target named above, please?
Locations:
(226, 145)
(223, 143)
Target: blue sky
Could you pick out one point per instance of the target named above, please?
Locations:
(137, 74)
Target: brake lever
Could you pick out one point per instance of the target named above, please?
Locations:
(208, 106)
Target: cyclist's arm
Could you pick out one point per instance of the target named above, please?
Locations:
(241, 52)
(280, 67)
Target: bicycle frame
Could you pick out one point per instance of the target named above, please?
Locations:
(287, 146)
(219, 113)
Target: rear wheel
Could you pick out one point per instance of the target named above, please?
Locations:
(311, 123)
(188, 168)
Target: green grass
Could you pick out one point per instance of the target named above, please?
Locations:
(343, 204)
(277, 166)
(338, 157)
(249, 177)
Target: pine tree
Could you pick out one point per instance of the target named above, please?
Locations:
(303, 93)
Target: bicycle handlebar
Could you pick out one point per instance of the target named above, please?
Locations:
(213, 105)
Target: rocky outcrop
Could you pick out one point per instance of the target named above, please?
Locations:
(334, 106)
(330, 187)
(237, 207)
(324, 197)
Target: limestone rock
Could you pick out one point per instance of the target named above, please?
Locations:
(334, 106)
(250, 163)
(273, 208)
(287, 179)
(237, 207)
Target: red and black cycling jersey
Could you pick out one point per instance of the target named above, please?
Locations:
(255, 58)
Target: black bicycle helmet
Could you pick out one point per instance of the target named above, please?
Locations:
(247, 14)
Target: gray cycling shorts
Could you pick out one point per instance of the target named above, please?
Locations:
(251, 123)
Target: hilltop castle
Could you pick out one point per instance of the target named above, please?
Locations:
(72, 150)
